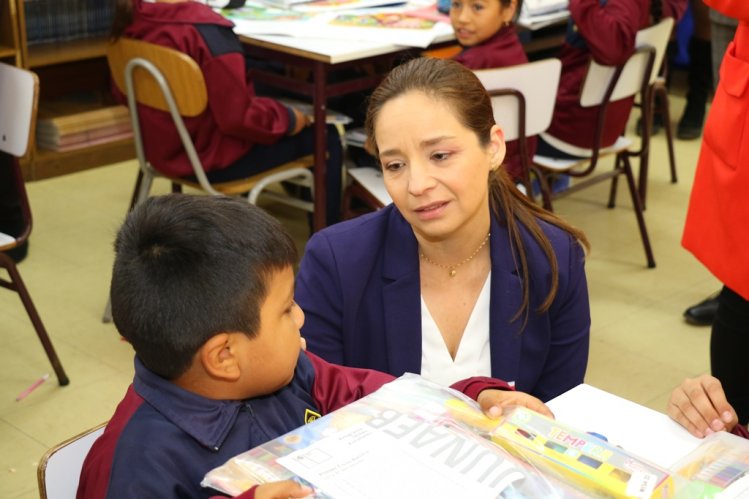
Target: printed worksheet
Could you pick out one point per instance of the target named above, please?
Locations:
(418, 458)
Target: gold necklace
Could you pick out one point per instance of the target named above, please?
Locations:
(453, 269)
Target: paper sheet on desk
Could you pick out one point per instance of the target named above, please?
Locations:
(643, 431)
(392, 24)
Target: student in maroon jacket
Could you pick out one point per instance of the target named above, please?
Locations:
(486, 31)
(604, 31)
(239, 134)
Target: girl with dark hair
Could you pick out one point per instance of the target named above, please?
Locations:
(462, 273)
(486, 31)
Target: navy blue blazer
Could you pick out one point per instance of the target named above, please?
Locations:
(358, 285)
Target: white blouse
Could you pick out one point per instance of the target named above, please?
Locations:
(473, 357)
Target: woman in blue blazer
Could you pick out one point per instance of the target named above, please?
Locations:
(460, 276)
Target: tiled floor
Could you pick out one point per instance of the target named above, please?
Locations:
(641, 347)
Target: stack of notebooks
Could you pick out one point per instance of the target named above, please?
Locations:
(83, 129)
(537, 14)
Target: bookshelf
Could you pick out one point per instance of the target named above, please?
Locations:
(64, 68)
(10, 40)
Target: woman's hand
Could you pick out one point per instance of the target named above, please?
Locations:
(700, 405)
(493, 402)
(286, 489)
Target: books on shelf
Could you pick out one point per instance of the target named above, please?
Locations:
(81, 129)
(63, 20)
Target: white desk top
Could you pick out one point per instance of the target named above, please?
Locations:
(326, 50)
(643, 431)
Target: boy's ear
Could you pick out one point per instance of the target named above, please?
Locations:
(219, 358)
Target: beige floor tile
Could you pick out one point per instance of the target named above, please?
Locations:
(19, 456)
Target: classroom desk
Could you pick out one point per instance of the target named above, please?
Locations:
(322, 57)
(647, 433)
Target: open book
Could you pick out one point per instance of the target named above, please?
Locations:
(413, 438)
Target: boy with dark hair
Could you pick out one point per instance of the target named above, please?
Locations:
(203, 288)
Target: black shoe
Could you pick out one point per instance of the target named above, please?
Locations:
(657, 125)
(700, 83)
(702, 314)
(690, 125)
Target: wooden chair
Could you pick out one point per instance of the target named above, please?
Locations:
(59, 470)
(523, 99)
(171, 81)
(603, 85)
(19, 94)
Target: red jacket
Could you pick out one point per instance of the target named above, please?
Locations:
(235, 118)
(603, 31)
(717, 226)
(501, 50)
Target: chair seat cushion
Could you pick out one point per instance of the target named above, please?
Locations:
(6, 242)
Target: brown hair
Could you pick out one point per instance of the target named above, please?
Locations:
(122, 18)
(450, 82)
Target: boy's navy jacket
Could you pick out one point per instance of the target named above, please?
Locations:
(162, 439)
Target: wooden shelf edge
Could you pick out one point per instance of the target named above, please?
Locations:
(47, 164)
(46, 54)
(6, 51)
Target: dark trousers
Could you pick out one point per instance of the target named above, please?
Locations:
(11, 216)
(729, 348)
(263, 157)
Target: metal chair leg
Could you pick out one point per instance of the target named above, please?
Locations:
(637, 205)
(544, 187)
(614, 183)
(668, 127)
(16, 284)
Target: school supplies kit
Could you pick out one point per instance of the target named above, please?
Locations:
(414, 438)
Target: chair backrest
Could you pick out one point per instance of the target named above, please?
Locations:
(650, 46)
(19, 95)
(656, 36)
(535, 82)
(164, 79)
(179, 71)
(60, 468)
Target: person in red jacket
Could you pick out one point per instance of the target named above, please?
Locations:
(239, 134)
(603, 31)
(486, 31)
(716, 229)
